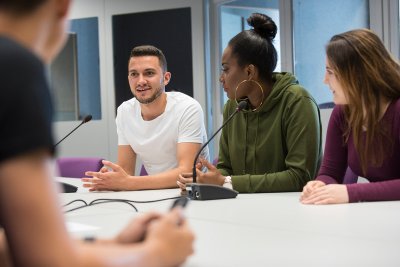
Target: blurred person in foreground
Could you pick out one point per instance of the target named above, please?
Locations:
(33, 230)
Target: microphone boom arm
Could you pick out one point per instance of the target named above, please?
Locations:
(208, 141)
(86, 119)
(69, 133)
(241, 106)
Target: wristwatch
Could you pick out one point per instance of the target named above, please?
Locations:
(228, 182)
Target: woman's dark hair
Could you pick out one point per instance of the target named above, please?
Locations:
(255, 46)
(20, 7)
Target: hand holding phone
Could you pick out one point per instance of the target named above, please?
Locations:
(182, 202)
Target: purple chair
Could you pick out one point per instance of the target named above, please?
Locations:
(215, 161)
(350, 177)
(326, 105)
(143, 171)
(76, 167)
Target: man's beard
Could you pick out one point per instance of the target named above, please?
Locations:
(151, 99)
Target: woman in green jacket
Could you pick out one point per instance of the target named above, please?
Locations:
(274, 145)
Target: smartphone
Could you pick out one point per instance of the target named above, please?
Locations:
(182, 202)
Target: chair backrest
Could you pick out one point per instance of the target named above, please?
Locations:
(350, 177)
(215, 161)
(76, 167)
(143, 171)
(326, 105)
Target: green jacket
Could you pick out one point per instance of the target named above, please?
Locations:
(276, 148)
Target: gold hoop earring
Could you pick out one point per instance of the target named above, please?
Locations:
(259, 86)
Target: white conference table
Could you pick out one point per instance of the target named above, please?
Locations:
(271, 229)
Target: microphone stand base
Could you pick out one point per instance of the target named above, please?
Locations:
(68, 188)
(209, 192)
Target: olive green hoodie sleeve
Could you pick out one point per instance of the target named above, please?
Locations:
(287, 150)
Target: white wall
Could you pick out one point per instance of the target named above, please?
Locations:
(98, 138)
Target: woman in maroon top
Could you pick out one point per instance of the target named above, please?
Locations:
(364, 128)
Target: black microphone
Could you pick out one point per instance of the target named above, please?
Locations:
(209, 191)
(68, 188)
(86, 119)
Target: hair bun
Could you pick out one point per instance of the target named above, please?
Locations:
(263, 25)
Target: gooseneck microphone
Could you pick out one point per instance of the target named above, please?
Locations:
(209, 191)
(68, 188)
(86, 119)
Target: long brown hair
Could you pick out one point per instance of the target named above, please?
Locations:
(368, 73)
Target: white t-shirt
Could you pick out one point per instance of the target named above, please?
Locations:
(155, 141)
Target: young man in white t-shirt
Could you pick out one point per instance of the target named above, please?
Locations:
(164, 129)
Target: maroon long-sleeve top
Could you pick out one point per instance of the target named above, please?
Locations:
(384, 180)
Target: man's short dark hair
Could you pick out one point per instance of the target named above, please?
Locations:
(149, 50)
(20, 7)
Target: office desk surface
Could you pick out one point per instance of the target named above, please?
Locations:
(271, 229)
